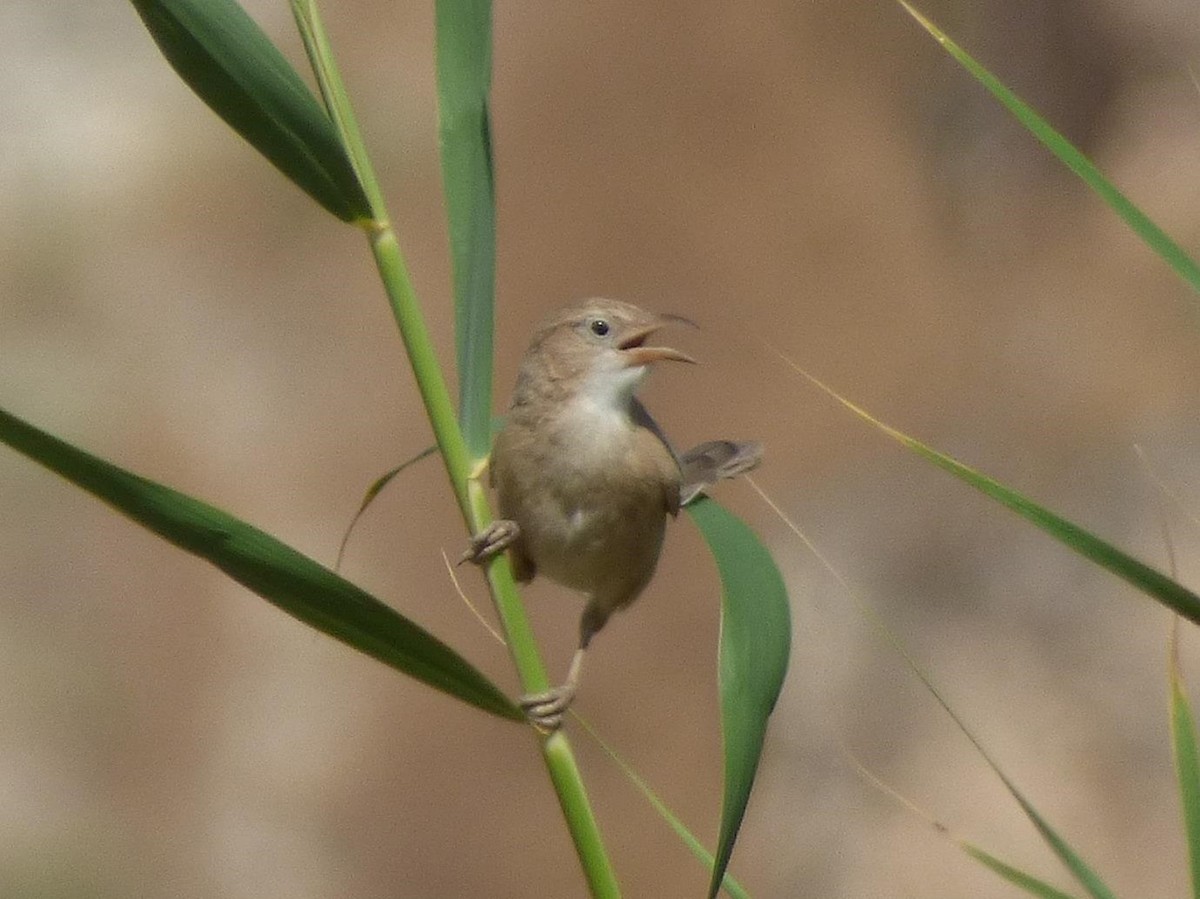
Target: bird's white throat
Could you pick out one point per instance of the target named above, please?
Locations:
(602, 408)
(613, 388)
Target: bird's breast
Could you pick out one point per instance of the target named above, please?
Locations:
(589, 495)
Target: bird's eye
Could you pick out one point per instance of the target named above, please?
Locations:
(600, 327)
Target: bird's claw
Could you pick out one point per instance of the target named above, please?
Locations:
(494, 539)
(545, 710)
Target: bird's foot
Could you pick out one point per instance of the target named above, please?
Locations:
(545, 710)
(495, 538)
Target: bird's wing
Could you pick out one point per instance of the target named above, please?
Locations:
(670, 478)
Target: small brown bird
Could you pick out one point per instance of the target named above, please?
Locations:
(584, 477)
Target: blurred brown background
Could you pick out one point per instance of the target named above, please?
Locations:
(819, 174)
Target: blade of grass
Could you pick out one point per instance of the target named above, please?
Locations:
(1015, 876)
(756, 637)
(1146, 229)
(464, 77)
(287, 579)
(1170, 593)
(234, 68)
(1087, 878)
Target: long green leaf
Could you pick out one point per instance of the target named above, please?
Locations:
(234, 68)
(464, 69)
(293, 582)
(756, 639)
(1087, 878)
(1153, 235)
(1170, 593)
(1030, 884)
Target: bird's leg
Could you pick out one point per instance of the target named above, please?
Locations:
(494, 539)
(545, 710)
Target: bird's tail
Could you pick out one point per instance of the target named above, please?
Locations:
(705, 464)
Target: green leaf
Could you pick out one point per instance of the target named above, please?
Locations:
(233, 67)
(464, 70)
(293, 582)
(1087, 878)
(1015, 876)
(756, 639)
(1187, 766)
(1170, 593)
(1154, 236)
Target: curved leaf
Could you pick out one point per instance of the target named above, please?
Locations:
(233, 67)
(369, 497)
(295, 583)
(756, 639)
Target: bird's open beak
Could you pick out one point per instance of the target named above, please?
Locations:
(637, 353)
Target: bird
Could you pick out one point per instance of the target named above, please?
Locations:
(585, 479)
